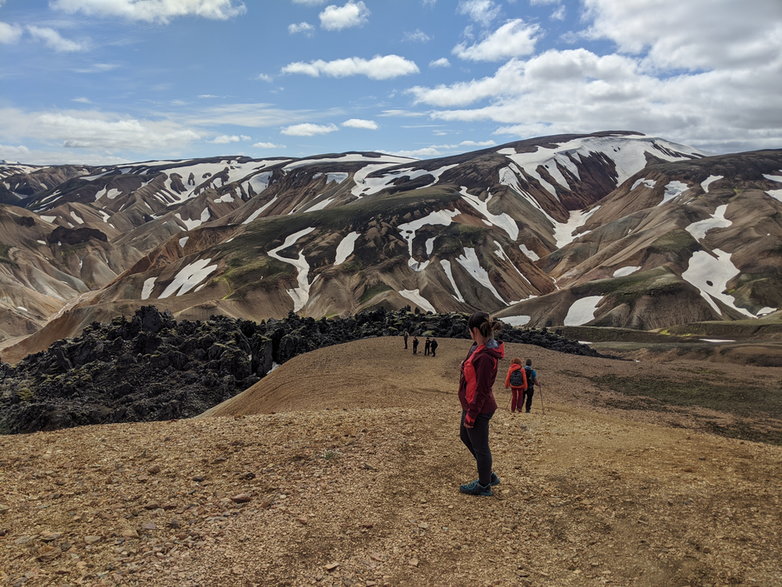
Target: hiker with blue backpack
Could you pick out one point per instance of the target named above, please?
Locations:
(516, 380)
(478, 373)
(532, 380)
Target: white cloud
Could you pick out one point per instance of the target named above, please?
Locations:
(300, 27)
(309, 2)
(308, 129)
(417, 36)
(225, 139)
(89, 129)
(352, 14)
(13, 153)
(579, 91)
(9, 33)
(97, 68)
(265, 77)
(440, 150)
(559, 14)
(82, 100)
(207, 96)
(513, 39)
(54, 40)
(361, 123)
(442, 62)
(379, 67)
(730, 34)
(265, 145)
(481, 11)
(161, 11)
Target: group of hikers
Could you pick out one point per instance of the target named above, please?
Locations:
(430, 345)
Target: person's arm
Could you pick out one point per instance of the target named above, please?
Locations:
(484, 366)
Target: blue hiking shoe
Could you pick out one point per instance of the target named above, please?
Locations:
(475, 488)
(494, 479)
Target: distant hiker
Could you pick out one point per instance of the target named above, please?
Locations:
(532, 379)
(405, 334)
(478, 372)
(433, 347)
(427, 346)
(516, 379)
(415, 345)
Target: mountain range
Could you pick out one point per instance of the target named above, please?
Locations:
(613, 228)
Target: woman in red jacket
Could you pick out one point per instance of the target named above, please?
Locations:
(516, 379)
(478, 372)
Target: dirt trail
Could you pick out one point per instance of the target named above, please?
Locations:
(357, 485)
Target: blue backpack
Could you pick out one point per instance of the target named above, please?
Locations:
(516, 378)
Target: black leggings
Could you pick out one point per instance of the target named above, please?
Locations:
(528, 396)
(476, 439)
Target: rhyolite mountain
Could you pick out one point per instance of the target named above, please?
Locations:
(610, 228)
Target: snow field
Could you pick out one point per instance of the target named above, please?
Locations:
(531, 255)
(76, 217)
(301, 294)
(320, 205)
(191, 224)
(673, 189)
(146, 290)
(710, 275)
(776, 194)
(500, 252)
(183, 241)
(564, 231)
(503, 221)
(187, 278)
(625, 271)
(259, 211)
(107, 193)
(520, 320)
(373, 185)
(699, 229)
(449, 273)
(408, 230)
(346, 247)
(582, 311)
(708, 181)
(469, 260)
(415, 296)
(650, 183)
(226, 198)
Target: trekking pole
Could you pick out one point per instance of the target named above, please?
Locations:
(541, 399)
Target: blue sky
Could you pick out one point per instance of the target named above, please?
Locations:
(105, 81)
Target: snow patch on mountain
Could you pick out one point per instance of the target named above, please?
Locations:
(225, 198)
(76, 217)
(346, 247)
(650, 183)
(469, 260)
(710, 274)
(408, 230)
(301, 294)
(531, 255)
(699, 229)
(582, 311)
(259, 211)
(503, 221)
(146, 290)
(414, 295)
(336, 177)
(625, 271)
(183, 241)
(500, 252)
(449, 273)
(776, 194)
(708, 181)
(320, 205)
(373, 185)
(188, 277)
(509, 176)
(108, 193)
(191, 224)
(673, 189)
(564, 232)
(517, 321)
(259, 182)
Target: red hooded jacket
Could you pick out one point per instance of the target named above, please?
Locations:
(479, 370)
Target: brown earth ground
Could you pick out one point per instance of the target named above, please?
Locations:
(342, 468)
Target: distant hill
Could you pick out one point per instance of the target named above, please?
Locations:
(610, 228)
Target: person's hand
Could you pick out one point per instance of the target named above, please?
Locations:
(470, 426)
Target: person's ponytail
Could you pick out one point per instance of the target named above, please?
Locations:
(487, 326)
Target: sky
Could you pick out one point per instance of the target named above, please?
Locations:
(111, 81)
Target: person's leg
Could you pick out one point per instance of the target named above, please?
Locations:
(479, 439)
(529, 399)
(517, 399)
(465, 437)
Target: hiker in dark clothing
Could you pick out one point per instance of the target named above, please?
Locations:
(427, 346)
(532, 379)
(415, 345)
(478, 372)
(433, 347)
(405, 334)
